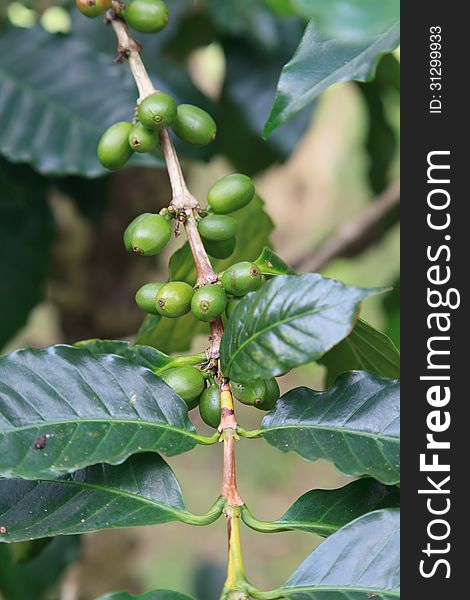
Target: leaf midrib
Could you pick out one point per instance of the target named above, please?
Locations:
(341, 588)
(341, 430)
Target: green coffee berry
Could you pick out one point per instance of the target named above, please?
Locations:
(217, 228)
(142, 139)
(220, 249)
(230, 193)
(157, 111)
(147, 16)
(249, 393)
(271, 396)
(188, 383)
(147, 234)
(146, 297)
(231, 306)
(174, 299)
(209, 406)
(208, 302)
(241, 278)
(113, 148)
(194, 125)
(93, 8)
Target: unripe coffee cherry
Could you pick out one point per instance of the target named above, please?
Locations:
(220, 249)
(188, 383)
(174, 299)
(241, 278)
(208, 302)
(113, 148)
(146, 297)
(147, 16)
(217, 228)
(271, 396)
(249, 393)
(209, 406)
(231, 306)
(194, 125)
(157, 111)
(230, 193)
(142, 139)
(93, 8)
(147, 234)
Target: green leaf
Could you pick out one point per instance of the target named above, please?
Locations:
(360, 561)
(354, 424)
(290, 321)
(269, 263)
(26, 229)
(145, 356)
(325, 511)
(350, 20)
(176, 335)
(62, 409)
(364, 349)
(52, 115)
(320, 62)
(141, 491)
(155, 595)
(20, 581)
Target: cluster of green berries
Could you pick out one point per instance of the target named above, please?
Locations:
(157, 111)
(192, 386)
(146, 16)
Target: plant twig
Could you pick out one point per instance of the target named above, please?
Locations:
(184, 203)
(355, 233)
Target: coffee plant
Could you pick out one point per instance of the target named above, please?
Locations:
(83, 426)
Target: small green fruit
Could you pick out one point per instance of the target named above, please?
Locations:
(271, 396)
(188, 383)
(220, 249)
(174, 299)
(157, 111)
(194, 125)
(230, 193)
(147, 16)
(209, 406)
(231, 306)
(249, 393)
(142, 139)
(241, 278)
(218, 228)
(113, 148)
(146, 297)
(93, 8)
(208, 302)
(147, 234)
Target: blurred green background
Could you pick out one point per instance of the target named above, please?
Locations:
(314, 174)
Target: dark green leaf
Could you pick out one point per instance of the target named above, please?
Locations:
(354, 424)
(145, 356)
(320, 62)
(269, 263)
(360, 561)
(141, 491)
(155, 595)
(290, 321)
(325, 511)
(52, 115)
(175, 335)
(26, 229)
(33, 579)
(63, 408)
(365, 349)
(382, 135)
(350, 20)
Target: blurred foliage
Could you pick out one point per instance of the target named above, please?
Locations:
(62, 229)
